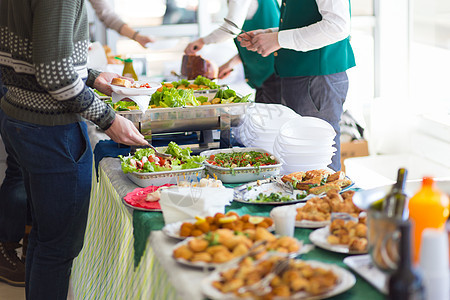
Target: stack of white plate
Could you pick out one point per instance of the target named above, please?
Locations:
(261, 125)
(304, 143)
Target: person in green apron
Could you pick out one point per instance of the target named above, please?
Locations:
(312, 53)
(259, 71)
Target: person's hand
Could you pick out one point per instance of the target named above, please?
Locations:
(245, 38)
(102, 82)
(225, 70)
(143, 39)
(123, 131)
(194, 46)
(265, 43)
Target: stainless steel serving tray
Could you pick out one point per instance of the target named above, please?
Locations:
(191, 118)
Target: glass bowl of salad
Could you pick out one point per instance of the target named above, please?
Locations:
(240, 165)
(144, 168)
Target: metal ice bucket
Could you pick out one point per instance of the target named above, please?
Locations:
(383, 238)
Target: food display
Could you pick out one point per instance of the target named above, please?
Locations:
(223, 245)
(317, 181)
(297, 279)
(350, 233)
(144, 160)
(320, 208)
(230, 221)
(195, 65)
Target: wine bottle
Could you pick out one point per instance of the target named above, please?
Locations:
(405, 283)
(394, 202)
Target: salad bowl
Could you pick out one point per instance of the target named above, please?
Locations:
(241, 174)
(146, 168)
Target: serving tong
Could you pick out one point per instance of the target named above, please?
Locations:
(159, 154)
(232, 24)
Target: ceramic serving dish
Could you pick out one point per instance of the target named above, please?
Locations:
(170, 177)
(240, 174)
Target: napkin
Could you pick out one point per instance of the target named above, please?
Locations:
(142, 101)
(185, 203)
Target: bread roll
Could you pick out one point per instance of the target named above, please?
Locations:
(121, 82)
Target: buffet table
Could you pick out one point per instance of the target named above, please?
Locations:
(121, 260)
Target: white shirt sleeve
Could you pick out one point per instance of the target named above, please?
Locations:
(106, 14)
(237, 12)
(334, 26)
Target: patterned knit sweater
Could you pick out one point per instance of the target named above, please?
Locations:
(43, 56)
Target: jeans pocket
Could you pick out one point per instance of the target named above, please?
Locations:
(76, 143)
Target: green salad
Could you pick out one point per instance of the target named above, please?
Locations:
(229, 96)
(144, 160)
(172, 97)
(199, 83)
(275, 197)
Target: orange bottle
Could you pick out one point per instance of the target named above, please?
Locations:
(428, 208)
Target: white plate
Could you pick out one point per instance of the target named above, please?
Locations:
(319, 238)
(136, 91)
(363, 265)
(309, 223)
(242, 194)
(211, 266)
(173, 229)
(241, 174)
(346, 280)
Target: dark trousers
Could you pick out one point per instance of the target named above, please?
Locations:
(56, 164)
(321, 97)
(269, 91)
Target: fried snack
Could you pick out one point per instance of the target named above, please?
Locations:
(231, 220)
(183, 252)
(320, 209)
(317, 181)
(300, 276)
(224, 245)
(349, 233)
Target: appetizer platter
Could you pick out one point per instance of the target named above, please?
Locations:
(202, 225)
(246, 280)
(287, 189)
(347, 236)
(216, 248)
(145, 168)
(241, 164)
(317, 211)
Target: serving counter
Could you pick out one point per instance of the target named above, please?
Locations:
(126, 256)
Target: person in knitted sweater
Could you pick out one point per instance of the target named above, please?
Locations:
(43, 56)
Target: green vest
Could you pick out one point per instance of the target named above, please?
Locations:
(257, 68)
(330, 59)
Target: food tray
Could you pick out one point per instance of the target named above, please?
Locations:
(165, 177)
(346, 280)
(241, 174)
(192, 118)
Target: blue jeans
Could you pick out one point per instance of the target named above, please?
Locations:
(13, 203)
(56, 164)
(321, 97)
